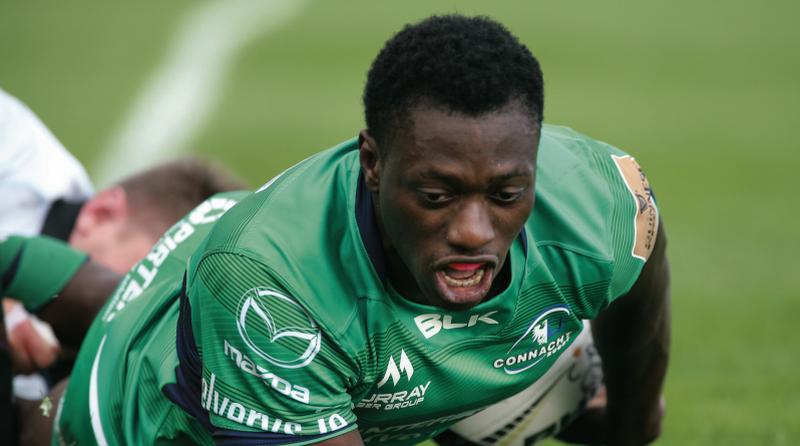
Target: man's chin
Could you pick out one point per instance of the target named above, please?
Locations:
(460, 295)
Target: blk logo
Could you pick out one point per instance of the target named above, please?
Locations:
(430, 324)
(393, 372)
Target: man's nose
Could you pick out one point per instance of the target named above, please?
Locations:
(471, 226)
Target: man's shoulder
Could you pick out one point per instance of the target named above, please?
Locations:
(296, 216)
(562, 149)
(576, 190)
(594, 218)
(300, 232)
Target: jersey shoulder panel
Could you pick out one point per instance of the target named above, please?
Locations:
(300, 227)
(594, 219)
(271, 297)
(263, 352)
(128, 353)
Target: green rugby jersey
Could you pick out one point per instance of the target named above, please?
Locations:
(290, 333)
(128, 357)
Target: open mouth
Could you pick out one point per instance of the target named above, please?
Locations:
(464, 282)
(464, 275)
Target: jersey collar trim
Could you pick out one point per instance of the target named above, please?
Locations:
(368, 228)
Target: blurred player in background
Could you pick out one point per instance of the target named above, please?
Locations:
(378, 292)
(117, 227)
(35, 171)
(47, 191)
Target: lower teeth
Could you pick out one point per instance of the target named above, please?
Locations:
(464, 283)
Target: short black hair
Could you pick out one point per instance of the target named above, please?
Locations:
(469, 65)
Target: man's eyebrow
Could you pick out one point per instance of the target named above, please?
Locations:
(432, 174)
(518, 173)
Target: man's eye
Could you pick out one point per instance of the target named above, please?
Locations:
(434, 196)
(508, 195)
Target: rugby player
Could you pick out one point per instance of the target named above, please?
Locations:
(47, 191)
(35, 170)
(116, 228)
(384, 289)
(395, 284)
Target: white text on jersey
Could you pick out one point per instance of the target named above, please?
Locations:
(142, 275)
(431, 323)
(236, 412)
(298, 393)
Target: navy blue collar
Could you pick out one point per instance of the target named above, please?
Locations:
(368, 227)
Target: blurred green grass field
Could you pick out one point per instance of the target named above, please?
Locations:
(705, 95)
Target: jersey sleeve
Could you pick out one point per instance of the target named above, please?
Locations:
(633, 221)
(595, 218)
(34, 270)
(269, 370)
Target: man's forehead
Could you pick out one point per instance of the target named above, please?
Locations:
(432, 134)
(447, 129)
(431, 113)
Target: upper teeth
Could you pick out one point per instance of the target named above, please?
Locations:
(464, 283)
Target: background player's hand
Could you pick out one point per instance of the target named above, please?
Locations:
(31, 341)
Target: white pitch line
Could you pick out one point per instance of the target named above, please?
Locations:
(181, 94)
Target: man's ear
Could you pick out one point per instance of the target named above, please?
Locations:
(108, 206)
(371, 162)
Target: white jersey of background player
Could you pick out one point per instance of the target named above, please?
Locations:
(35, 170)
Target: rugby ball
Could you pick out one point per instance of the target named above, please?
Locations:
(542, 409)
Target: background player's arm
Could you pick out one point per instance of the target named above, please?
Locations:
(56, 282)
(632, 337)
(72, 313)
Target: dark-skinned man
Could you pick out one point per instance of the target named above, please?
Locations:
(385, 289)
